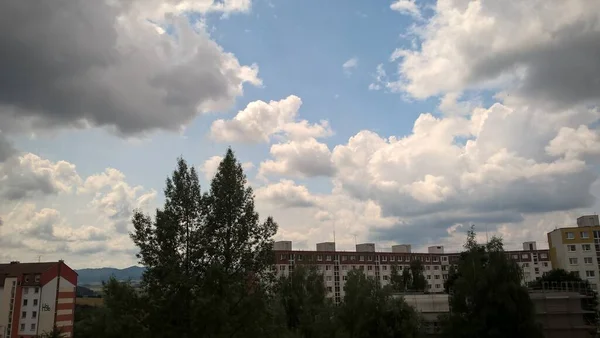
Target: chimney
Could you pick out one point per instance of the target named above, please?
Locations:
(15, 262)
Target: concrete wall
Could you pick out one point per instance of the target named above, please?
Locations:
(28, 325)
(47, 306)
(5, 305)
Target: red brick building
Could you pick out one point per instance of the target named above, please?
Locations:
(35, 297)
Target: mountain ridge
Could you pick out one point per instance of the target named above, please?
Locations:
(93, 276)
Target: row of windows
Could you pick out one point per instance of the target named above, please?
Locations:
(370, 267)
(369, 258)
(544, 264)
(33, 314)
(582, 234)
(35, 290)
(584, 247)
(32, 327)
(588, 273)
(25, 302)
(586, 260)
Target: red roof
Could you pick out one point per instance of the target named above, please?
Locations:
(18, 269)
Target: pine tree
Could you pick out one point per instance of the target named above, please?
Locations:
(240, 256)
(171, 251)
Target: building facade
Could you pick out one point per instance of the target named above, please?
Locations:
(335, 265)
(577, 249)
(35, 297)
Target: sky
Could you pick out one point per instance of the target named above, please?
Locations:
(392, 122)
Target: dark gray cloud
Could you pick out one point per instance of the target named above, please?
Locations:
(6, 149)
(71, 63)
(432, 228)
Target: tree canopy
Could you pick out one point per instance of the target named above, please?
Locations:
(488, 298)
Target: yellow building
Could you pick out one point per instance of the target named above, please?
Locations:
(577, 249)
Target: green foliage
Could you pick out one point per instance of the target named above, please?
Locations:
(370, 311)
(123, 314)
(208, 273)
(207, 257)
(487, 295)
(54, 333)
(303, 305)
(411, 279)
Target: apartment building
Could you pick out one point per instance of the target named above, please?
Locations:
(35, 297)
(577, 248)
(335, 265)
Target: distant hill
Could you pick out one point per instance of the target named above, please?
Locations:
(97, 276)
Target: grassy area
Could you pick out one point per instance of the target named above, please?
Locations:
(89, 301)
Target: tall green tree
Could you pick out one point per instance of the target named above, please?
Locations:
(487, 295)
(417, 280)
(171, 250)
(304, 306)
(369, 310)
(236, 287)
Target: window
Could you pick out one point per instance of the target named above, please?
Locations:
(437, 286)
(352, 258)
(586, 247)
(361, 258)
(587, 260)
(37, 290)
(584, 234)
(525, 265)
(24, 302)
(37, 278)
(344, 258)
(35, 302)
(428, 277)
(362, 268)
(25, 290)
(327, 267)
(282, 267)
(344, 267)
(427, 267)
(444, 258)
(444, 276)
(543, 255)
(571, 248)
(319, 258)
(436, 267)
(34, 314)
(385, 277)
(436, 259)
(328, 278)
(590, 273)
(570, 235)
(283, 256)
(515, 256)
(537, 270)
(437, 277)
(427, 259)
(370, 258)
(370, 267)
(345, 277)
(329, 289)
(299, 257)
(525, 256)
(384, 268)
(573, 261)
(26, 279)
(32, 327)
(24, 314)
(328, 258)
(444, 267)
(383, 258)
(22, 327)
(392, 258)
